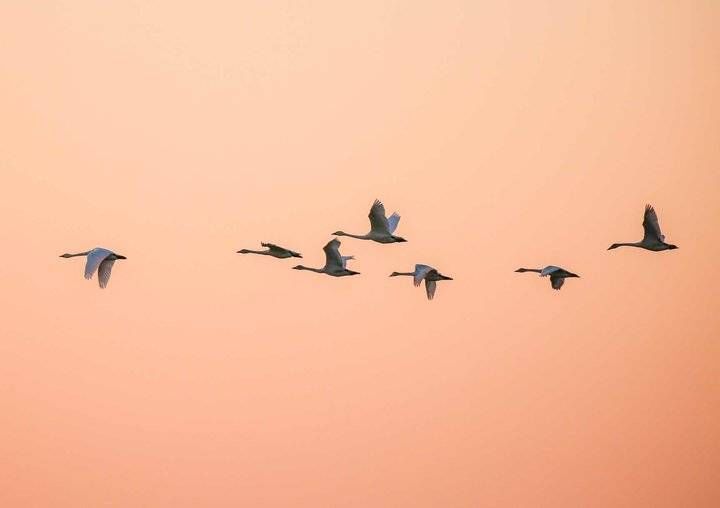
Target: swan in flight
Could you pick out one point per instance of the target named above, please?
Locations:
(557, 274)
(335, 264)
(653, 239)
(381, 227)
(98, 260)
(427, 273)
(272, 250)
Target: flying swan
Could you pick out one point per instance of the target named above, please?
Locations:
(100, 260)
(381, 227)
(427, 273)
(335, 264)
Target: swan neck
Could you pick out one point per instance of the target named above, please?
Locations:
(316, 270)
(359, 237)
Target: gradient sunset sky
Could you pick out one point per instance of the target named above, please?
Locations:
(505, 133)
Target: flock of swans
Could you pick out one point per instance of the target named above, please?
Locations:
(382, 230)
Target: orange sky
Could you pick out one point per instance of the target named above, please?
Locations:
(506, 134)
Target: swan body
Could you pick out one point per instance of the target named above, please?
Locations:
(382, 228)
(98, 260)
(557, 274)
(272, 250)
(335, 264)
(653, 239)
(427, 273)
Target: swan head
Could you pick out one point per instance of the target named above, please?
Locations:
(614, 246)
(521, 270)
(339, 233)
(299, 267)
(394, 274)
(672, 247)
(66, 255)
(243, 251)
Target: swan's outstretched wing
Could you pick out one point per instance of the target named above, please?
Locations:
(557, 282)
(430, 286)
(421, 272)
(333, 259)
(278, 250)
(393, 222)
(345, 259)
(104, 272)
(378, 222)
(273, 247)
(651, 225)
(549, 270)
(94, 258)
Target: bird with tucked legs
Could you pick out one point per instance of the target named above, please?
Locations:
(272, 250)
(427, 273)
(98, 260)
(653, 239)
(335, 264)
(557, 274)
(382, 228)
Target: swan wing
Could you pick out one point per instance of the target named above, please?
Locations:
(378, 221)
(421, 272)
(345, 259)
(393, 222)
(550, 269)
(94, 258)
(104, 271)
(557, 282)
(430, 286)
(277, 249)
(333, 259)
(651, 225)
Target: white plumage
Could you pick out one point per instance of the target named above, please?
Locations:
(99, 260)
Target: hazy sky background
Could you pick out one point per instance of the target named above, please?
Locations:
(507, 134)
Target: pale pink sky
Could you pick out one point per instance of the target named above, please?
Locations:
(506, 134)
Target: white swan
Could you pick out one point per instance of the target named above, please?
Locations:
(653, 239)
(272, 250)
(381, 227)
(100, 260)
(557, 274)
(335, 264)
(427, 273)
